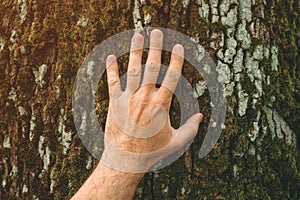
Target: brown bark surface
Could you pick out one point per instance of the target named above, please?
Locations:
(255, 43)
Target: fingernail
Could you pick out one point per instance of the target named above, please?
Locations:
(138, 38)
(201, 116)
(138, 42)
(156, 33)
(110, 59)
(178, 49)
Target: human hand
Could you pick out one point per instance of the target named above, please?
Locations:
(138, 131)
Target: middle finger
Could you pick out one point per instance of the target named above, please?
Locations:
(154, 58)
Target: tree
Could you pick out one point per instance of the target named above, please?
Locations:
(254, 43)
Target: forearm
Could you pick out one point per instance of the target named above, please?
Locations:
(106, 183)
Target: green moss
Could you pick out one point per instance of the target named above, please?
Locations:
(286, 37)
(275, 176)
(280, 180)
(68, 173)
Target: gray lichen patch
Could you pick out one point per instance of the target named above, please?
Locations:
(24, 189)
(32, 123)
(22, 110)
(200, 88)
(224, 72)
(238, 62)
(200, 53)
(137, 16)
(23, 11)
(214, 10)
(185, 4)
(278, 127)
(3, 183)
(12, 94)
(230, 51)
(203, 9)
(258, 53)
(207, 68)
(245, 11)
(46, 158)
(256, 128)
(65, 137)
(14, 171)
(13, 37)
(230, 19)
(2, 44)
(252, 68)
(274, 58)
(243, 100)
(40, 74)
(89, 163)
(209, 177)
(82, 21)
(243, 36)
(147, 18)
(44, 152)
(6, 142)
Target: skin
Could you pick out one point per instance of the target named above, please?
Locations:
(114, 178)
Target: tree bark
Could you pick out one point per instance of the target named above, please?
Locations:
(255, 44)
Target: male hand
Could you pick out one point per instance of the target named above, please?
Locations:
(138, 131)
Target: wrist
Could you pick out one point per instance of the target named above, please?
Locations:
(114, 157)
(109, 172)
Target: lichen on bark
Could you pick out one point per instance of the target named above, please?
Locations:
(254, 43)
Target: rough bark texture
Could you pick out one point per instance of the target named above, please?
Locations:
(255, 44)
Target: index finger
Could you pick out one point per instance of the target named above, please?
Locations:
(135, 63)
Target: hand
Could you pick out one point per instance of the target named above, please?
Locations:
(138, 131)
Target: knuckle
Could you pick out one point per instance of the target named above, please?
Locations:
(110, 69)
(173, 74)
(177, 58)
(112, 80)
(156, 45)
(152, 67)
(134, 71)
(136, 53)
(161, 100)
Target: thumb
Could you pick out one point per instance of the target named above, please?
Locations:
(183, 135)
(188, 130)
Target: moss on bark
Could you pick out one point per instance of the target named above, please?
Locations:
(60, 34)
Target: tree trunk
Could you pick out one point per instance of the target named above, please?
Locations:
(255, 44)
